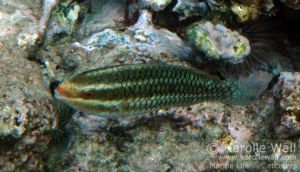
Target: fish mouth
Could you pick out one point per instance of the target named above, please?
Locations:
(57, 95)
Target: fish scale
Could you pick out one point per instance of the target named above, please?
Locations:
(127, 89)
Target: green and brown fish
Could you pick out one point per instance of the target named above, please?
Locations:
(129, 89)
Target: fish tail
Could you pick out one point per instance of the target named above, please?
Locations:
(244, 92)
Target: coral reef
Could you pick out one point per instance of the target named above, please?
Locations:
(287, 92)
(42, 42)
(217, 42)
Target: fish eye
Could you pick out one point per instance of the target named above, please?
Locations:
(87, 94)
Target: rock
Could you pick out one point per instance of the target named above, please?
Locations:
(105, 14)
(47, 7)
(217, 42)
(191, 8)
(140, 43)
(215, 10)
(155, 5)
(20, 24)
(245, 12)
(250, 10)
(198, 114)
(287, 93)
(62, 21)
(241, 133)
(106, 145)
(27, 115)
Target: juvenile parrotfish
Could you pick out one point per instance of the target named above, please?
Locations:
(130, 89)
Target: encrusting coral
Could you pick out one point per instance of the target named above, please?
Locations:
(217, 42)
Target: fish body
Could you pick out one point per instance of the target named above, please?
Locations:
(128, 89)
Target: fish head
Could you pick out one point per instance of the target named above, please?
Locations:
(66, 91)
(80, 98)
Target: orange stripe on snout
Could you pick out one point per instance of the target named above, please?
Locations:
(59, 90)
(64, 90)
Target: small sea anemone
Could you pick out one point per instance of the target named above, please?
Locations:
(64, 115)
(267, 50)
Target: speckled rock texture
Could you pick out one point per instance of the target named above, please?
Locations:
(20, 24)
(287, 93)
(26, 112)
(26, 115)
(191, 138)
(287, 90)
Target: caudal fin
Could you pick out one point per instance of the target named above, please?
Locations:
(248, 89)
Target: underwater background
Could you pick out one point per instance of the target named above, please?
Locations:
(255, 43)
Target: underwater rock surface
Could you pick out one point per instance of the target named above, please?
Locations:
(155, 5)
(26, 113)
(43, 42)
(287, 91)
(63, 20)
(140, 43)
(110, 14)
(217, 42)
(242, 11)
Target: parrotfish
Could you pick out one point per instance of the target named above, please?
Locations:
(134, 88)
